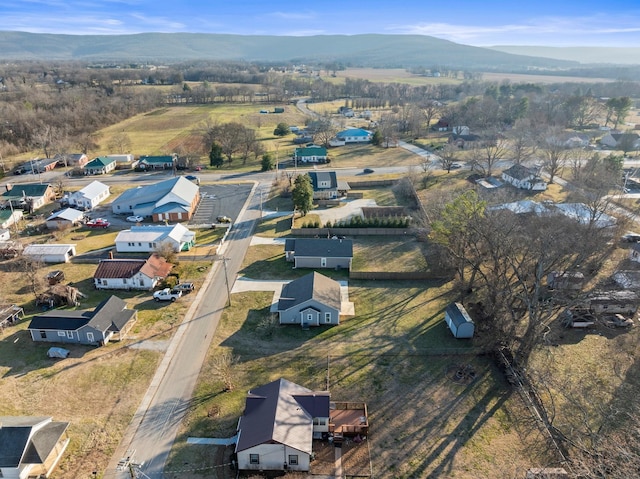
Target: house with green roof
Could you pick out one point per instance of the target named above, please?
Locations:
(28, 196)
(100, 166)
(165, 162)
(311, 154)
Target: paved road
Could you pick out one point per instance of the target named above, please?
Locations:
(155, 424)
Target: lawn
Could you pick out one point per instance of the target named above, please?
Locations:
(373, 254)
(396, 354)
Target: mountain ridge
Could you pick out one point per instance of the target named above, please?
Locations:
(367, 50)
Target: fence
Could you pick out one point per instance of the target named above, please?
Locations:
(395, 276)
(328, 232)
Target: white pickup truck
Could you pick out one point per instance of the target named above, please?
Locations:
(166, 294)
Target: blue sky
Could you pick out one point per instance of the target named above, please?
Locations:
(472, 22)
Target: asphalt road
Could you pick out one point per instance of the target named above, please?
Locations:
(155, 425)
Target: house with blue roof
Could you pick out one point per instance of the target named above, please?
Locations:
(173, 200)
(351, 135)
(100, 166)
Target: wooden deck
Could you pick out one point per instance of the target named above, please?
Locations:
(348, 419)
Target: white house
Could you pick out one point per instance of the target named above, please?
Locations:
(31, 446)
(146, 238)
(8, 217)
(523, 178)
(90, 196)
(275, 432)
(351, 135)
(100, 166)
(123, 161)
(131, 273)
(50, 253)
(5, 235)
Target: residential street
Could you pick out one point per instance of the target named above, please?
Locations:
(156, 423)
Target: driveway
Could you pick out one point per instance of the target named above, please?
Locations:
(348, 209)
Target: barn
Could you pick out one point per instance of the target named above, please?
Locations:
(459, 321)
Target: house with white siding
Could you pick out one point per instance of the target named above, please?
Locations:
(50, 253)
(31, 446)
(66, 218)
(524, 178)
(100, 166)
(130, 274)
(147, 238)
(90, 196)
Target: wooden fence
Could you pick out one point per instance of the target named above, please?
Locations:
(328, 232)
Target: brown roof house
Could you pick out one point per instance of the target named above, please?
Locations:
(319, 252)
(131, 273)
(312, 300)
(110, 320)
(281, 419)
(31, 446)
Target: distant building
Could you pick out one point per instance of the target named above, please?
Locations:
(90, 196)
(147, 238)
(100, 166)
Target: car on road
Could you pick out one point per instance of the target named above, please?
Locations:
(193, 178)
(367, 171)
(97, 223)
(166, 294)
(223, 219)
(135, 219)
(455, 166)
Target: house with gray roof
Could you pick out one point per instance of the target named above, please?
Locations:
(312, 300)
(90, 196)
(276, 430)
(31, 446)
(28, 196)
(77, 160)
(111, 320)
(65, 218)
(326, 185)
(147, 238)
(630, 141)
(173, 200)
(319, 252)
(100, 166)
(524, 178)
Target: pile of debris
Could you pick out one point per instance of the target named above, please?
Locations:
(59, 295)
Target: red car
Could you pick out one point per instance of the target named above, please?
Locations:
(98, 223)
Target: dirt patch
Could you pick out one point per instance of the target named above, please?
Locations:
(356, 459)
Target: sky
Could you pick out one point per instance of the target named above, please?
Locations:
(471, 22)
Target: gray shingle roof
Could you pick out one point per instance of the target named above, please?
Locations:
(320, 247)
(15, 446)
(282, 412)
(318, 177)
(311, 286)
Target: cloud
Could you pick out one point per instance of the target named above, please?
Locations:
(157, 22)
(293, 16)
(550, 30)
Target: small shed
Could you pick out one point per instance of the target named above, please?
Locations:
(566, 280)
(459, 321)
(50, 253)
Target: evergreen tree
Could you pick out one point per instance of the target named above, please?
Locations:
(215, 155)
(302, 194)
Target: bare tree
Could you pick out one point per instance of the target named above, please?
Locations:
(487, 152)
(431, 109)
(120, 143)
(448, 156)
(222, 366)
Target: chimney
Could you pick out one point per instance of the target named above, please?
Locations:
(110, 254)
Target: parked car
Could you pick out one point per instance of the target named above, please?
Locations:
(631, 237)
(166, 294)
(193, 178)
(455, 166)
(98, 223)
(223, 219)
(184, 288)
(135, 219)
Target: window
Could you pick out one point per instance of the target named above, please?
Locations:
(293, 459)
(150, 245)
(124, 280)
(254, 458)
(70, 334)
(104, 282)
(90, 337)
(319, 421)
(118, 206)
(327, 317)
(139, 244)
(61, 333)
(43, 335)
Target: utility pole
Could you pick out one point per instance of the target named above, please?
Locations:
(226, 277)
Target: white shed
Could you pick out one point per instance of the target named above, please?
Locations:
(50, 253)
(459, 321)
